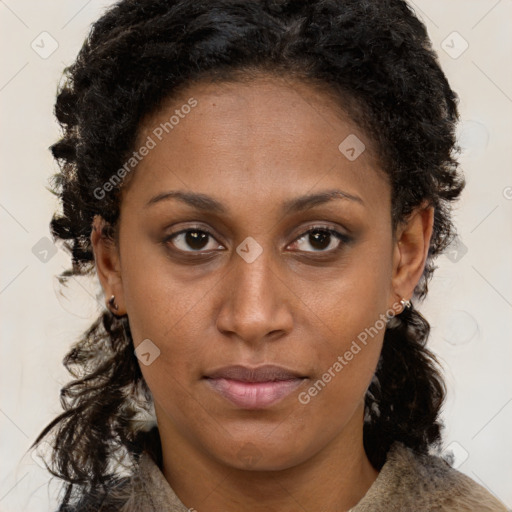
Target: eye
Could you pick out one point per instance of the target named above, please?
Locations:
(193, 238)
(322, 239)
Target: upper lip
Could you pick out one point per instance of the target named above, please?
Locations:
(265, 373)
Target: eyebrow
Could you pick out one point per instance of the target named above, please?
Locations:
(209, 204)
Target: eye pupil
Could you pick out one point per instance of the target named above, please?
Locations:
(318, 238)
(196, 239)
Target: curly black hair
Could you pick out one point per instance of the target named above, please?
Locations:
(373, 56)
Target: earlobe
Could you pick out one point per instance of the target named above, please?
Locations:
(108, 268)
(411, 251)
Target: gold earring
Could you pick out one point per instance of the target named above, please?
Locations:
(112, 303)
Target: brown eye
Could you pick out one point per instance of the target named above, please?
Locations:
(321, 239)
(192, 240)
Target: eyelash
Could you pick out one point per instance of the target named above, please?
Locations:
(344, 239)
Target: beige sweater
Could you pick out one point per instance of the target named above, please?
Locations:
(406, 483)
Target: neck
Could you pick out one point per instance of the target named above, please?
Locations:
(332, 480)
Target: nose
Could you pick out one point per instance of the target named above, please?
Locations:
(256, 302)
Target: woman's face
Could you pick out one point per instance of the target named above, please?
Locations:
(220, 265)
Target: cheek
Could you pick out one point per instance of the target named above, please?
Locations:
(162, 300)
(346, 360)
(351, 332)
(343, 379)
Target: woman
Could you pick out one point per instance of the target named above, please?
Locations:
(261, 188)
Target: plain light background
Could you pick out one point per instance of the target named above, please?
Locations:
(470, 299)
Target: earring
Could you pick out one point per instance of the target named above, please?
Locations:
(406, 304)
(112, 303)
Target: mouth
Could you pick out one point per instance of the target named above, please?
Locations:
(254, 388)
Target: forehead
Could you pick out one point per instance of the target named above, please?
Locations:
(261, 139)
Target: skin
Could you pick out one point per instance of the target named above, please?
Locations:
(253, 146)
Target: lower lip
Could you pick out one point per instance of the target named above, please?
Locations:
(254, 395)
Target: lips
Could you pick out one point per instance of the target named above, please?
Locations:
(265, 373)
(254, 388)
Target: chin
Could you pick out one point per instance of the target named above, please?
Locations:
(261, 455)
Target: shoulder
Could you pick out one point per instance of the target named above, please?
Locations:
(110, 499)
(145, 489)
(410, 481)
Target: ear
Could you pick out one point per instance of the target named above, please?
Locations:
(108, 264)
(412, 242)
